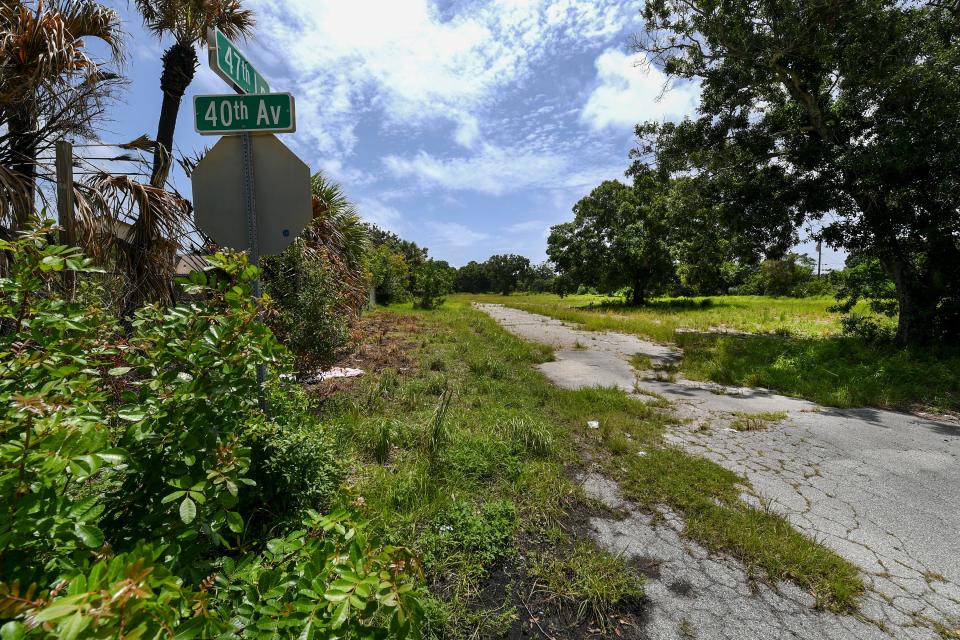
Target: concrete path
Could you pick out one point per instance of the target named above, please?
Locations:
(881, 488)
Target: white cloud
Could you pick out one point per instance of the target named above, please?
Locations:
(382, 215)
(629, 93)
(452, 234)
(406, 61)
(468, 132)
(527, 226)
(337, 170)
(494, 170)
(497, 170)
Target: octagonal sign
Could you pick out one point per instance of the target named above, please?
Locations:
(281, 186)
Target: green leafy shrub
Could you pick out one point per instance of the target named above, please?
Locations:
(481, 534)
(308, 318)
(101, 541)
(868, 328)
(390, 275)
(434, 280)
(296, 467)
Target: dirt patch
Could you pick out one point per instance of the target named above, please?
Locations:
(380, 341)
(681, 587)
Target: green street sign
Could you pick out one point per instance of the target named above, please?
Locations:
(231, 65)
(250, 113)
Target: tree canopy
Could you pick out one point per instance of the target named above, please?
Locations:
(843, 112)
(616, 239)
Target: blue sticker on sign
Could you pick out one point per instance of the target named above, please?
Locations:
(286, 233)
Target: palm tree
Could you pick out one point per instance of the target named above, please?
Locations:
(50, 87)
(339, 235)
(188, 22)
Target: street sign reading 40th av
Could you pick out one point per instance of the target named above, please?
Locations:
(251, 113)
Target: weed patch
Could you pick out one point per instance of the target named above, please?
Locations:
(756, 421)
(463, 459)
(589, 580)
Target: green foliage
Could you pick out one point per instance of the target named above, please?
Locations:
(539, 278)
(191, 389)
(480, 534)
(390, 274)
(326, 578)
(864, 278)
(53, 360)
(787, 276)
(309, 317)
(123, 460)
(616, 240)
(837, 371)
(473, 278)
(394, 265)
(506, 271)
(868, 328)
(296, 466)
(840, 113)
(434, 280)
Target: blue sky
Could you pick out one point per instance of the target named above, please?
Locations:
(468, 126)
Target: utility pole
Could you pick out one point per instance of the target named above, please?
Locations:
(68, 223)
(819, 255)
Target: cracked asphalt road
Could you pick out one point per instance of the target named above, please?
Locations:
(879, 487)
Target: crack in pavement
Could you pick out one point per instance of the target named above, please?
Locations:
(876, 486)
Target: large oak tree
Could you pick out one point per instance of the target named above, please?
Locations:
(842, 111)
(617, 239)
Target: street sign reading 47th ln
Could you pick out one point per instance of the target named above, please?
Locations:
(229, 63)
(251, 113)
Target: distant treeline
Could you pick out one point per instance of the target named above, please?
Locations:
(792, 275)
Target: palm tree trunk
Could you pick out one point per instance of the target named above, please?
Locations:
(179, 66)
(22, 127)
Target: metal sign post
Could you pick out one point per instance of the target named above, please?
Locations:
(266, 167)
(250, 199)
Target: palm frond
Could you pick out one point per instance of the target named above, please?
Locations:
(14, 194)
(137, 225)
(189, 20)
(337, 236)
(143, 143)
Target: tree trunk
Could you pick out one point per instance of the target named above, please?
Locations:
(637, 296)
(179, 66)
(22, 127)
(918, 297)
(917, 305)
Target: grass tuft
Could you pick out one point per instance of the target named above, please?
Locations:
(592, 580)
(756, 421)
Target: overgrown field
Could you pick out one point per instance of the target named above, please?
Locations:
(792, 346)
(463, 451)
